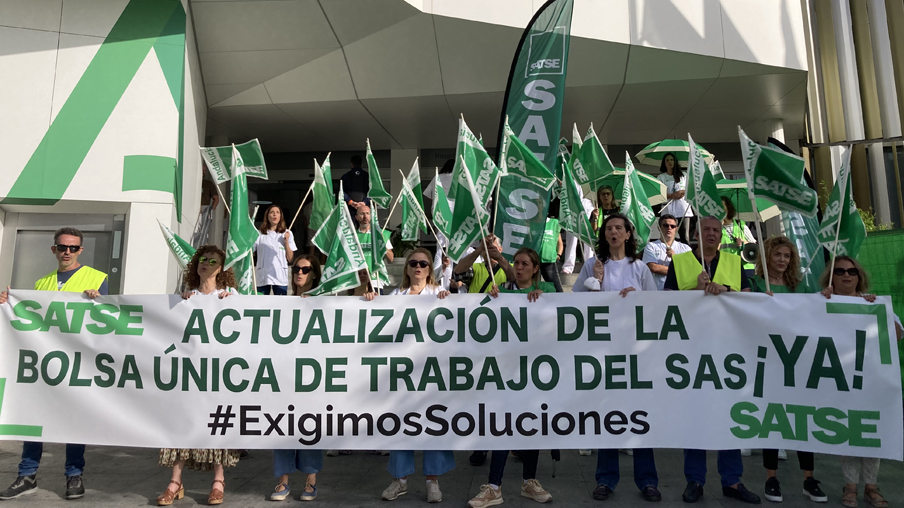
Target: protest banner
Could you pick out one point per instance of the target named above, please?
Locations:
(468, 372)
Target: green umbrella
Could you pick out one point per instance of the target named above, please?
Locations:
(736, 192)
(652, 187)
(654, 152)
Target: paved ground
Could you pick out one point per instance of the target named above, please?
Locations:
(130, 477)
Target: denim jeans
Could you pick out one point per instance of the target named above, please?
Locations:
(644, 468)
(31, 458)
(277, 290)
(550, 273)
(497, 465)
(289, 461)
(730, 466)
(401, 463)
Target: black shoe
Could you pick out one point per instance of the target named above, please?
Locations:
(651, 493)
(741, 494)
(601, 492)
(773, 491)
(811, 488)
(478, 458)
(23, 486)
(74, 487)
(692, 492)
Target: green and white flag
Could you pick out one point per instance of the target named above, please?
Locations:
(468, 216)
(376, 192)
(523, 197)
(244, 276)
(323, 199)
(635, 204)
(242, 233)
(842, 230)
(182, 250)
(716, 169)
(594, 162)
(801, 230)
(221, 163)
(777, 176)
(377, 249)
(344, 256)
(572, 217)
(413, 217)
(702, 192)
(470, 154)
(563, 158)
(442, 212)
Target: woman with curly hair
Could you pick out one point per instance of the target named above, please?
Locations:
(204, 276)
(306, 275)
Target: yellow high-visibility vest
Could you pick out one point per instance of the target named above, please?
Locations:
(83, 279)
(687, 268)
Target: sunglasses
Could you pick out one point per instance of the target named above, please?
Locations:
(209, 261)
(853, 272)
(303, 269)
(670, 226)
(72, 248)
(414, 263)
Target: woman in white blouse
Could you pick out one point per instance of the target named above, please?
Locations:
(275, 249)
(676, 184)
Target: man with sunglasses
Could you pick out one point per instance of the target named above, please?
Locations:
(73, 277)
(362, 215)
(658, 254)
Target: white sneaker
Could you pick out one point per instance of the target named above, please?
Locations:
(627, 451)
(395, 489)
(534, 490)
(746, 452)
(585, 453)
(434, 495)
(488, 496)
(782, 454)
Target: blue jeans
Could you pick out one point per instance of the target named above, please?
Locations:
(401, 463)
(289, 461)
(644, 468)
(31, 458)
(730, 466)
(277, 290)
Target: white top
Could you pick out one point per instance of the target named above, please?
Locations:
(428, 290)
(654, 252)
(446, 181)
(229, 289)
(444, 276)
(678, 207)
(619, 275)
(272, 267)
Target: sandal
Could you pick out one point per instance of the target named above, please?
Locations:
(216, 495)
(169, 496)
(849, 497)
(872, 496)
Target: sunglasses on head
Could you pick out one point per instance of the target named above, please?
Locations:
(415, 263)
(303, 269)
(209, 261)
(853, 272)
(670, 226)
(72, 248)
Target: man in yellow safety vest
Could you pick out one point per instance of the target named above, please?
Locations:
(73, 277)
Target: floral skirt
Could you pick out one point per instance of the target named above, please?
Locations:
(199, 460)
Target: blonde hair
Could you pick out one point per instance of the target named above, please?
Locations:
(406, 281)
(862, 279)
(792, 276)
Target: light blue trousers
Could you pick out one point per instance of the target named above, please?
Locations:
(401, 463)
(289, 461)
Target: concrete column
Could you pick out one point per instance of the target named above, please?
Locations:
(894, 10)
(884, 69)
(775, 128)
(399, 159)
(817, 104)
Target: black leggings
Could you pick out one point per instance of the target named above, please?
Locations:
(770, 460)
(497, 464)
(550, 273)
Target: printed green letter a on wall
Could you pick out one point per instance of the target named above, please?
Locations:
(143, 24)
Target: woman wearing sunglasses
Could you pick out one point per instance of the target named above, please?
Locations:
(783, 262)
(848, 278)
(306, 275)
(417, 280)
(204, 276)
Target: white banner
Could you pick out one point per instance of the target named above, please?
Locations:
(660, 370)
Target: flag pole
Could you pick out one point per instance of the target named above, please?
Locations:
(392, 209)
(223, 198)
(423, 213)
(301, 205)
(253, 267)
(762, 241)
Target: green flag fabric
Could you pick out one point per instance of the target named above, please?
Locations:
(377, 249)
(593, 159)
(777, 176)
(841, 221)
(702, 192)
(244, 276)
(242, 233)
(181, 249)
(468, 216)
(376, 192)
(442, 212)
(635, 204)
(571, 211)
(801, 230)
(221, 163)
(322, 205)
(413, 217)
(470, 154)
(523, 197)
(344, 257)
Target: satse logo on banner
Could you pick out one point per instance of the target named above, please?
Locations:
(546, 53)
